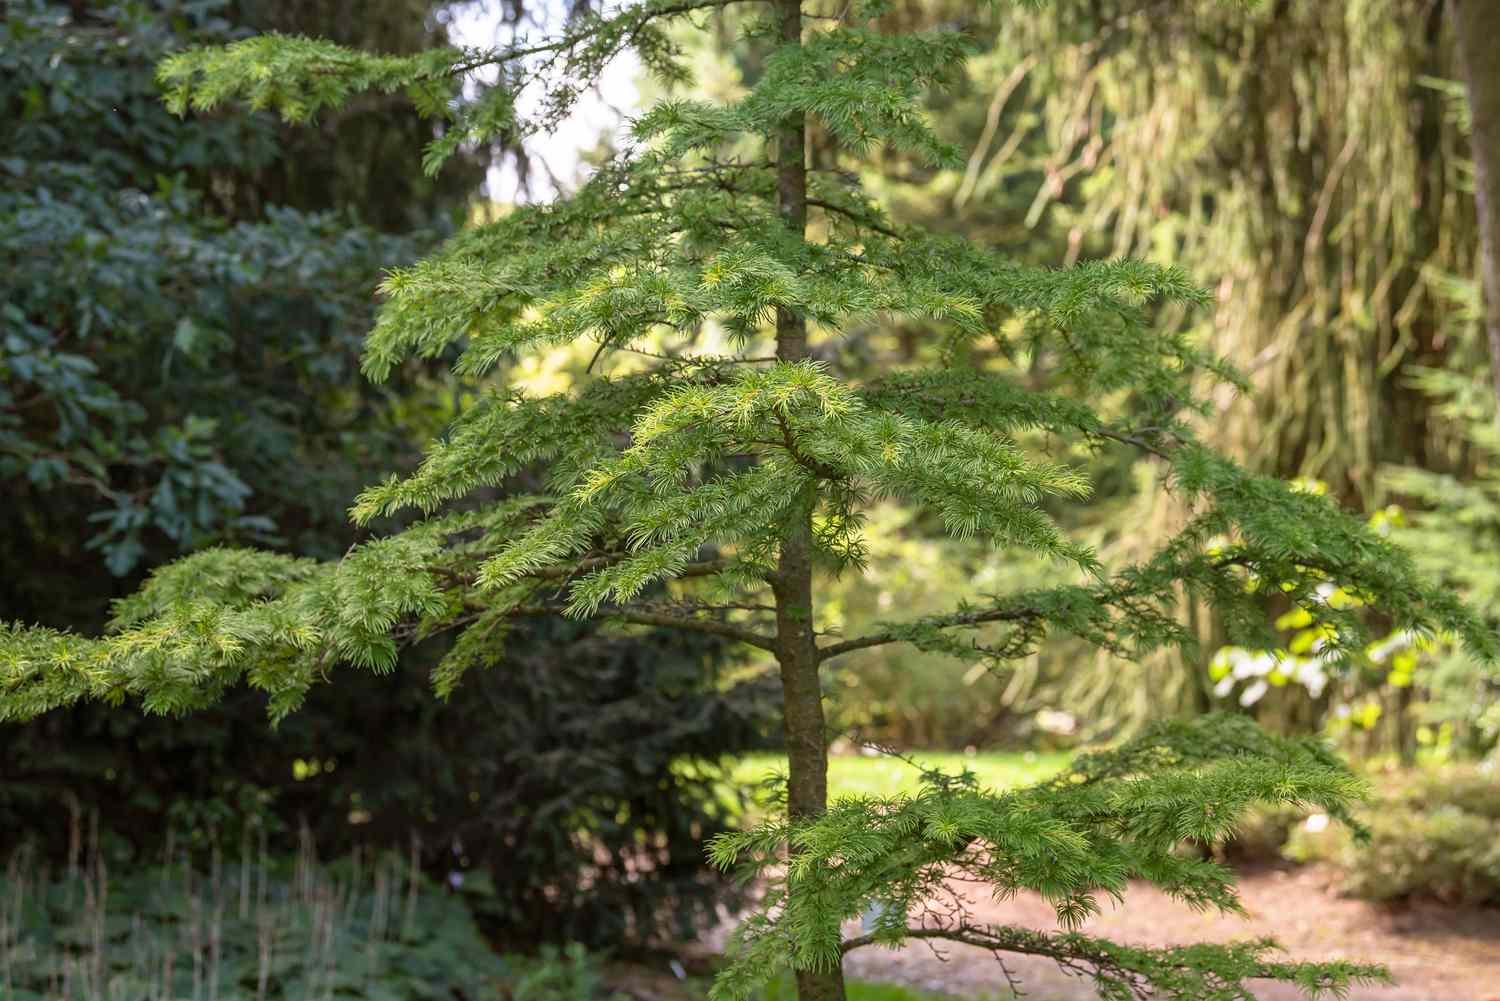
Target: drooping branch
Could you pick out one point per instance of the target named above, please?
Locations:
(1142, 972)
(1137, 595)
(567, 41)
(663, 616)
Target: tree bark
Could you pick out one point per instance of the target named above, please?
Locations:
(1476, 25)
(796, 646)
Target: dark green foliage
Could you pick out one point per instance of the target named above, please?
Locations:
(177, 359)
(177, 366)
(265, 930)
(569, 974)
(367, 156)
(578, 781)
(184, 301)
(548, 783)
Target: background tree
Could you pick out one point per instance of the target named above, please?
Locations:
(1475, 24)
(1324, 203)
(731, 478)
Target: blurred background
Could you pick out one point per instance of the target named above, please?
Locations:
(182, 304)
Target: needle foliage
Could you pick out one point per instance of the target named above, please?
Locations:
(711, 468)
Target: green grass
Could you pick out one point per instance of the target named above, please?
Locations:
(855, 775)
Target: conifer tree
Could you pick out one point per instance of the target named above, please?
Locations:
(708, 490)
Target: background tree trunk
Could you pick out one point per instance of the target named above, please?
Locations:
(1476, 24)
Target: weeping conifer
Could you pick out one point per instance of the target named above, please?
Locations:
(1307, 161)
(709, 490)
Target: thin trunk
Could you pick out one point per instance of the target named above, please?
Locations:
(1476, 26)
(796, 647)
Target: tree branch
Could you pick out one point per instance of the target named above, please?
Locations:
(819, 469)
(957, 620)
(1129, 439)
(854, 218)
(571, 39)
(1142, 974)
(712, 627)
(705, 568)
(1118, 596)
(637, 615)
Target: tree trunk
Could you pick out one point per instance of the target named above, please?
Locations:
(1476, 26)
(796, 646)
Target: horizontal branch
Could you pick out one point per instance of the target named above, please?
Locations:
(955, 621)
(1020, 612)
(711, 627)
(854, 217)
(638, 615)
(964, 934)
(1143, 971)
(573, 39)
(706, 568)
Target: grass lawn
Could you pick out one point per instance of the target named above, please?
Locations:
(856, 775)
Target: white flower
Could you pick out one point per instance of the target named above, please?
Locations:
(1056, 721)
(1248, 665)
(1310, 673)
(1392, 643)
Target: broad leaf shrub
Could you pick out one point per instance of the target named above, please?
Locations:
(1436, 834)
(176, 367)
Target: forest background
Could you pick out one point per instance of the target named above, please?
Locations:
(185, 300)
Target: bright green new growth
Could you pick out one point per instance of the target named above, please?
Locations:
(685, 495)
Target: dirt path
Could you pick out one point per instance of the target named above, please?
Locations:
(1435, 953)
